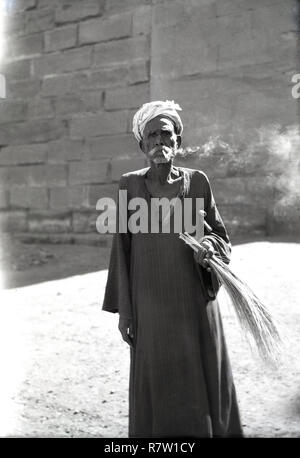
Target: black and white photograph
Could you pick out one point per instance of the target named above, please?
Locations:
(150, 221)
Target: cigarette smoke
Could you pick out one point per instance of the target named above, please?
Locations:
(270, 152)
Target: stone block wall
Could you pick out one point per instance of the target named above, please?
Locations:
(77, 70)
(229, 65)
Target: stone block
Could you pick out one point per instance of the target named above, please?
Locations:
(112, 146)
(39, 20)
(139, 72)
(23, 89)
(282, 227)
(4, 177)
(23, 5)
(71, 197)
(95, 192)
(28, 198)
(67, 104)
(61, 62)
(59, 198)
(136, 72)
(76, 59)
(3, 198)
(63, 84)
(37, 131)
(15, 176)
(187, 92)
(243, 219)
(286, 49)
(61, 38)
(84, 221)
(40, 108)
(64, 150)
(47, 175)
(82, 103)
(230, 191)
(79, 9)
(23, 154)
(175, 12)
(13, 221)
(56, 85)
(214, 165)
(130, 116)
(88, 172)
(121, 166)
(93, 125)
(12, 111)
(262, 36)
(91, 239)
(127, 97)
(190, 57)
(45, 3)
(121, 51)
(92, 101)
(108, 77)
(261, 190)
(27, 45)
(18, 70)
(284, 216)
(237, 29)
(141, 21)
(272, 27)
(14, 24)
(117, 6)
(81, 197)
(258, 108)
(111, 28)
(49, 221)
(233, 7)
(246, 163)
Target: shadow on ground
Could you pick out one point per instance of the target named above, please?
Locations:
(26, 264)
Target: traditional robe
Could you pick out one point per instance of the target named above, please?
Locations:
(181, 381)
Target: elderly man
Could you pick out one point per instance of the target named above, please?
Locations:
(181, 382)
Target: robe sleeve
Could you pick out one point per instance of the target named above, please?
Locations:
(218, 237)
(117, 297)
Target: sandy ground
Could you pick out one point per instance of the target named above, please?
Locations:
(65, 367)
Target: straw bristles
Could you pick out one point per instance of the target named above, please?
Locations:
(252, 314)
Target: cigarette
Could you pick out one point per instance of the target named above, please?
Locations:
(206, 225)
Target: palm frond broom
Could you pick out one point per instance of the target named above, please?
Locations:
(251, 313)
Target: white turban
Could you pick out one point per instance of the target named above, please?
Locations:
(150, 110)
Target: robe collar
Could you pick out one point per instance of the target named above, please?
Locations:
(178, 170)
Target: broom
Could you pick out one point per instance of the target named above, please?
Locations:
(252, 314)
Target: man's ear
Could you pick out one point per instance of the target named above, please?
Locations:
(178, 141)
(141, 145)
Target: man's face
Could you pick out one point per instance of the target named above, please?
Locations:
(160, 141)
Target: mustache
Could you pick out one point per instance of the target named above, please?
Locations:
(158, 150)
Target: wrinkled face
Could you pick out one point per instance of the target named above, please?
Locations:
(160, 141)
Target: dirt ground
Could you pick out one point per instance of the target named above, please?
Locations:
(64, 365)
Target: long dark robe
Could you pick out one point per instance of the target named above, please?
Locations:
(181, 381)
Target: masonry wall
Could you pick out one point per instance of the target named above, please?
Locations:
(76, 71)
(229, 65)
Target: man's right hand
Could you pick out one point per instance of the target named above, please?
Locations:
(126, 330)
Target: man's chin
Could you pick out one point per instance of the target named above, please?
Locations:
(162, 160)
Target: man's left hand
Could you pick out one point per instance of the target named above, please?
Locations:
(205, 252)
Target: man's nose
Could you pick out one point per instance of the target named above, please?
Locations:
(158, 140)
